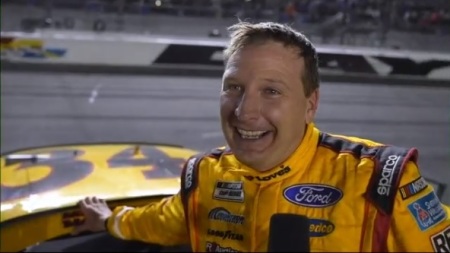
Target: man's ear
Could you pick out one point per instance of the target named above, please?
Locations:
(312, 103)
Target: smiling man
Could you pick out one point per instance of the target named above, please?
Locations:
(359, 195)
(265, 103)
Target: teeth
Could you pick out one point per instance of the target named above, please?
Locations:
(250, 134)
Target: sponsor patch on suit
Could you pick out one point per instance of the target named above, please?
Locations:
(413, 188)
(441, 240)
(427, 211)
(222, 214)
(320, 227)
(215, 247)
(313, 195)
(229, 191)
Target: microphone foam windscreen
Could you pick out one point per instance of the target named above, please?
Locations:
(289, 233)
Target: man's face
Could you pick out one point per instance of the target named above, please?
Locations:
(263, 107)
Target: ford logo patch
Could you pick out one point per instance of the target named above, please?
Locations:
(313, 195)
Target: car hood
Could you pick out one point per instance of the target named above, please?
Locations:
(45, 178)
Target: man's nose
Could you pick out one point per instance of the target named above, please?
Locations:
(248, 107)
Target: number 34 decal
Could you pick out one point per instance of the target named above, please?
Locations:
(66, 167)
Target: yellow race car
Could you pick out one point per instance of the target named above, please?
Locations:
(41, 187)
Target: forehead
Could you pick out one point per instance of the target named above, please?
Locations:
(268, 58)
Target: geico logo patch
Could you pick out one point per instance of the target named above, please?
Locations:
(319, 227)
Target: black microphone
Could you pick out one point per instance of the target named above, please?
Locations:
(288, 233)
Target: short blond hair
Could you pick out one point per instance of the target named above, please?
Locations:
(245, 33)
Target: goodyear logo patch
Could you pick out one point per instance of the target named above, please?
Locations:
(427, 211)
(413, 188)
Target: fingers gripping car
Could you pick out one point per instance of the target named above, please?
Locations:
(40, 188)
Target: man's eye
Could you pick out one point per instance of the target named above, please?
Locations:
(271, 91)
(233, 87)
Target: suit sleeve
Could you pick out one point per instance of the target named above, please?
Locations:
(420, 222)
(160, 222)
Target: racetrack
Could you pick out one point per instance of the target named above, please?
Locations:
(43, 108)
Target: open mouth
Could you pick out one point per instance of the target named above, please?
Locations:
(251, 135)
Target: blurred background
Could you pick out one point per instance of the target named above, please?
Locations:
(53, 107)
(405, 24)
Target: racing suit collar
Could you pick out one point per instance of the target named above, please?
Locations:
(297, 163)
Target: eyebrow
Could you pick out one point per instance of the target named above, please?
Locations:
(277, 81)
(270, 80)
(230, 79)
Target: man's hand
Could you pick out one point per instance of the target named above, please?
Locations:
(96, 211)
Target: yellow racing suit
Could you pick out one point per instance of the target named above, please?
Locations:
(359, 196)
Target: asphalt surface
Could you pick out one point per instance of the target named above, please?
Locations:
(54, 108)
